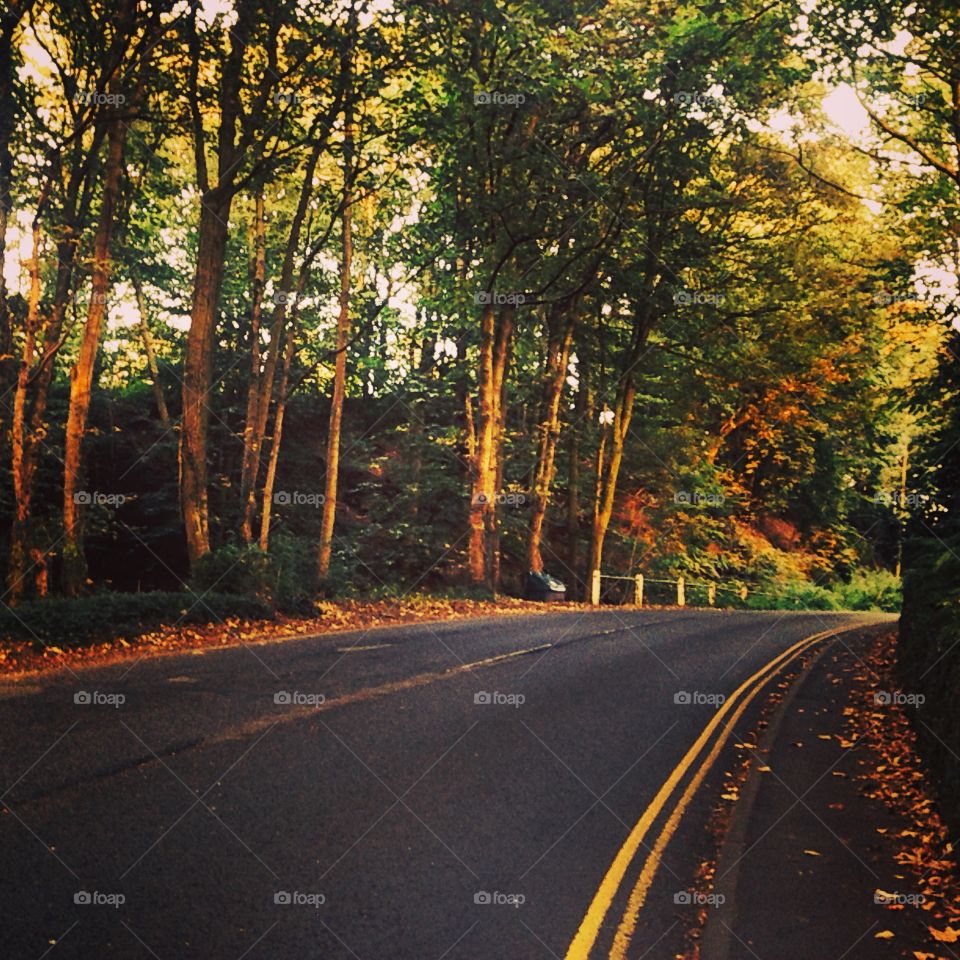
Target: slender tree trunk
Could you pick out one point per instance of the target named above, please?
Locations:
(482, 493)
(609, 472)
(340, 367)
(271, 477)
(146, 337)
(251, 441)
(19, 462)
(558, 358)
(81, 375)
(901, 511)
(256, 423)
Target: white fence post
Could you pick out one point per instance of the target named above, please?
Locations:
(681, 594)
(595, 589)
(638, 589)
(712, 594)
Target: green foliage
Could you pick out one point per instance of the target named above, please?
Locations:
(871, 590)
(102, 616)
(284, 578)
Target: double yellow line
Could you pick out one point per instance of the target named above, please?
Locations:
(586, 938)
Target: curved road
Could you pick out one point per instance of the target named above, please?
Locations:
(472, 790)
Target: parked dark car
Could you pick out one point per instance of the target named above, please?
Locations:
(543, 587)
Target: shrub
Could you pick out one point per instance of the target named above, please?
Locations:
(872, 590)
(101, 616)
(243, 570)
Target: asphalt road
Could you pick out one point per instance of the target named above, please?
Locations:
(474, 790)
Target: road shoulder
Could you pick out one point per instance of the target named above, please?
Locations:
(817, 861)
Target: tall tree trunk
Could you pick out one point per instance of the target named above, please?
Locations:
(8, 24)
(256, 423)
(215, 204)
(198, 372)
(251, 445)
(483, 493)
(548, 432)
(495, 343)
(19, 461)
(81, 375)
(146, 337)
(340, 367)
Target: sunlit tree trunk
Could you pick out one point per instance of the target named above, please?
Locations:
(81, 375)
(340, 365)
(548, 431)
(495, 344)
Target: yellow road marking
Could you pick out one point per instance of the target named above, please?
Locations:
(638, 895)
(586, 936)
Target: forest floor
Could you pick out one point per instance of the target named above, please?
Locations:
(22, 658)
